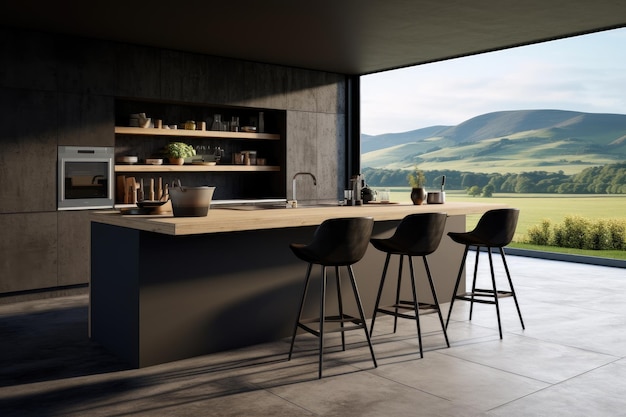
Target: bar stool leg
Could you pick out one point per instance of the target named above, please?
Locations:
(416, 307)
(474, 281)
(340, 302)
(456, 285)
(295, 327)
(322, 319)
(362, 316)
(395, 318)
(380, 291)
(432, 289)
(508, 275)
(495, 291)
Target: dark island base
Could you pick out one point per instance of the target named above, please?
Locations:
(157, 298)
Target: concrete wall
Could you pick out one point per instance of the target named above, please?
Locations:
(60, 90)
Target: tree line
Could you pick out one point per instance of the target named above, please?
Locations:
(606, 179)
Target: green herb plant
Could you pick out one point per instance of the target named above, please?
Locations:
(179, 150)
(416, 178)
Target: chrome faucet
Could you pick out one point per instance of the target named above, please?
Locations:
(293, 184)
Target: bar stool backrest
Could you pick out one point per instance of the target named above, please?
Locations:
(496, 227)
(420, 234)
(341, 241)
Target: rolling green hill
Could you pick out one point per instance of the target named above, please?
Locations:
(507, 141)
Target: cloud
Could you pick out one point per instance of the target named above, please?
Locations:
(584, 73)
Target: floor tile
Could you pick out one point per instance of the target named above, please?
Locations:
(364, 394)
(462, 382)
(543, 361)
(598, 393)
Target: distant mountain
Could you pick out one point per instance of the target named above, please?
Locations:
(506, 141)
(386, 140)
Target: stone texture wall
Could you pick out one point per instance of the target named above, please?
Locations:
(59, 90)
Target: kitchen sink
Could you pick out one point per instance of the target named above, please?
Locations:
(300, 205)
(252, 207)
(274, 206)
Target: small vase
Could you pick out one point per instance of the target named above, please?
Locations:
(176, 161)
(418, 195)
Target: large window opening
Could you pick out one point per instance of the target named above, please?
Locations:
(540, 127)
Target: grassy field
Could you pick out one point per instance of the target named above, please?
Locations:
(536, 207)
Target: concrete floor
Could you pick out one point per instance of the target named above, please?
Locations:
(568, 362)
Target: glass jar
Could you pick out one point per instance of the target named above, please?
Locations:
(217, 122)
(190, 125)
(234, 124)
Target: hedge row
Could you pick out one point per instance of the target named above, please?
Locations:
(581, 233)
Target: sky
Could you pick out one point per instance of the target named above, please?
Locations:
(584, 73)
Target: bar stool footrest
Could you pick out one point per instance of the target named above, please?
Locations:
(358, 324)
(424, 308)
(475, 296)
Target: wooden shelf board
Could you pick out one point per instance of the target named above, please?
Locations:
(194, 133)
(196, 168)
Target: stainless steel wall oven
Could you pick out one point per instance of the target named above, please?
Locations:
(85, 177)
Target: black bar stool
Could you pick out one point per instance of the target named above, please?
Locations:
(416, 235)
(336, 242)
(495, 229)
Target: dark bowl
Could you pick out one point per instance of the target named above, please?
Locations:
(150, 203)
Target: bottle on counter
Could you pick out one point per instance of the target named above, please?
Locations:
(356, 185)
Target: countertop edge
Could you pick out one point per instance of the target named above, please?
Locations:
(221, 220)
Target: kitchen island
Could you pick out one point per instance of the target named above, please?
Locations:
(166, 288)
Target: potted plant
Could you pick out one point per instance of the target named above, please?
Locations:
(416, 180)
(177, 152)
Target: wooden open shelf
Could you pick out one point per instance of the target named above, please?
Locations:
(194, 133)
(196, 168)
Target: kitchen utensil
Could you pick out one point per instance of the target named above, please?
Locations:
(217, 122)
(191, 201)
(437, 197)
(127, 159)
(137, 211)
(151, 194)
(368, 194)
(159, 190)
(347, 195)
(234, 124)
(384, 195)
(131, 191)
(150, 203)
(249, 157)
(120, 193)
(140, 192)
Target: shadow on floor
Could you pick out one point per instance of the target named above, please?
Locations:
(48, 345)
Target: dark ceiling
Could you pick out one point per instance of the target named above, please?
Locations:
(344, 36)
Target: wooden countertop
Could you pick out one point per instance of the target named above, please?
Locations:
(229, 220)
